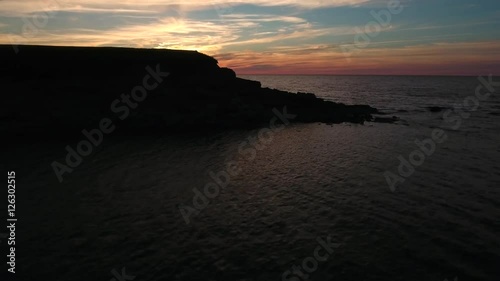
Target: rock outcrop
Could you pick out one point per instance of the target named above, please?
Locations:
(62, 90)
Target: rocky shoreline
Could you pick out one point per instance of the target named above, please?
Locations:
(62, 90)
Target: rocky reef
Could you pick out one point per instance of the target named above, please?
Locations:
(62, 90)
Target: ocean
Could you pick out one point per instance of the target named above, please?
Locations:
(414, 200)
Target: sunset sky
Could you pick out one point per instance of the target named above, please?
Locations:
(436, 37)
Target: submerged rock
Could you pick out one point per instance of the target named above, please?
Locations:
(386, 119)
(436, 108)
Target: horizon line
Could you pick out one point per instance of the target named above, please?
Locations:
(403, 75)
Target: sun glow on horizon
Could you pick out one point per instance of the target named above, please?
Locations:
(281, 37)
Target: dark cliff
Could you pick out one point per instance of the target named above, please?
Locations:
(62, 90)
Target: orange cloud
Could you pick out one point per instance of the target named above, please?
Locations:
(467, 58)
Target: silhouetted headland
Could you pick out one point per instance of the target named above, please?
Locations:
(62, 90)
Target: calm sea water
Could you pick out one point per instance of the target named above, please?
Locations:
(120, 208)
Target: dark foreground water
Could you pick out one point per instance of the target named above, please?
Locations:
(306, 183)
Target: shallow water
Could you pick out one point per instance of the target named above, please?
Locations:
(120, 208)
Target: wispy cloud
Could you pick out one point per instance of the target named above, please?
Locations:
(177, 33)
(167, 33)
(281, 36)
(261, 18)
(438, 58)
(16, 7)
